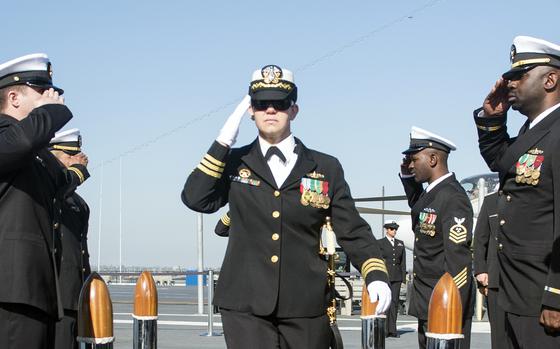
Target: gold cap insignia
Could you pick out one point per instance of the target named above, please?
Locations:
(271, 74)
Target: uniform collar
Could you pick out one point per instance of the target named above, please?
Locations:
(438, 181)
(543, 115)
(286, 146)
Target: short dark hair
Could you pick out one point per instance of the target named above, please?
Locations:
(4, 94)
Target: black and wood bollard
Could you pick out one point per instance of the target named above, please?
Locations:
(373, 326)
(145, 312)
(95, 315)
(445, 314)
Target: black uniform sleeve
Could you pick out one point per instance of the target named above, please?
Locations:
(20, 140)
(412, 189)
(481, 240)
(354, 234)
(456, 227)
(206, 189)
(551, 295)
(493, 139)
(75, 176)
(222, 227)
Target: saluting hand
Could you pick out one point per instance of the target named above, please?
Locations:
(404, 166)
(228, 133)
(496, 103)
(550, 319)
(49, 96)
(79, 158)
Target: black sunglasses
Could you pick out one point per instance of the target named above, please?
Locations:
(277, 105)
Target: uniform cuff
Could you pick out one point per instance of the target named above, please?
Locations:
(374, 269)
(551, 297)
(488, 124)
(213, 164)
(80, 171)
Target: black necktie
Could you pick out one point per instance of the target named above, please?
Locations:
(274, 151)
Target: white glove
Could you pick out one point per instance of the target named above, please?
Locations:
(379, 290)
(228, 133)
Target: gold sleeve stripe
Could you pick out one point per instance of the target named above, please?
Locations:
(489, 128)
(530, 61)
(209, 172)
(461, 278)
(226, 220)
(552, 289)
(211, 166)
(214, 160)
(78, 173)
(373, 264)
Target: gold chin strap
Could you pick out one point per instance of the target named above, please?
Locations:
(530, 61)
(65, 147)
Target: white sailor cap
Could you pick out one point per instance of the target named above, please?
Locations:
(272, 83)
(421, 139)
(69, 141)
(34, 70)
(528, 52)
(391, 224)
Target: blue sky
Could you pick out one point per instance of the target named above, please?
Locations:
(153, 82)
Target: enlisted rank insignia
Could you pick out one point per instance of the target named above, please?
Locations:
(427, 221)
(314, 193)
(528, 167)
(458, 232)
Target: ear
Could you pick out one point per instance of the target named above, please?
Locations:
(294, 110)
(551, 81)
(250, 111)
(14, 98)
(434, 159)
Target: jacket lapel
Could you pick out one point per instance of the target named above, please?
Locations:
(255, 161)
(525, 141)
(304, 165)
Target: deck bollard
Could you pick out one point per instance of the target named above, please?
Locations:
(373, 326)
(445, 314)
(145, 312)
(95, 315)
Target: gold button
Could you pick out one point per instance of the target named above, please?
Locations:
(414, 257)
(275, 236)
(84, 270)
(274, 259)
(56, 225)
(500, 192)
(83, 252)
(500, 247)
(508, 198)
(416, 239)
(276, 193)
(502, 222)
(414, 274)
(275, 214)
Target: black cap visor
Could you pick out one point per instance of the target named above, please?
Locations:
(392, 225)
(517, 72)
(417, 145)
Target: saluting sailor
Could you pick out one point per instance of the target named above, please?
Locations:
(273, 281)
(442, 219)
(31, 111)
(74, 267)
(528, 204)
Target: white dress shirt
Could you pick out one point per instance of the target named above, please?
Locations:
(437, 181)
(280, 170)
(543, 115)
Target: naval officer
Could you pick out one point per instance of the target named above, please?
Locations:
(528, 205)
(442, 219)
(31, 111)
(273, 281)
(394, 255)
